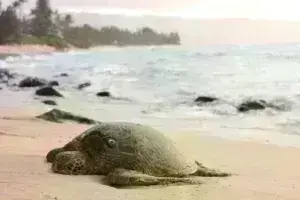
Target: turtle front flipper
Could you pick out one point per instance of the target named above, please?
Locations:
(71, 163)
(122, 177)
(51, 154)
(207, 172)
(73, 145)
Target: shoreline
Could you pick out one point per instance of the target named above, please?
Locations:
(16, 50)
(257, 128)
(115, 47)
(261, 171)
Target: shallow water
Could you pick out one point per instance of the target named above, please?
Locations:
(157, 86)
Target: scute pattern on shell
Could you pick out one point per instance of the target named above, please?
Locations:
(140, 148)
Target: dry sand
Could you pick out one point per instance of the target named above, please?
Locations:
(262, 171)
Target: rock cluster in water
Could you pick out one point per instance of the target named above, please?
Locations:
(5, 76)
(245, 106)
(49, 102)
(103, 94)
(205, 99)
(83, 85)
(47, 88)
(36, 82)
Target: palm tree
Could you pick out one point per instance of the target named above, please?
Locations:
(18, 3)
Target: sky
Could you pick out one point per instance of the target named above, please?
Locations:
(252, 9)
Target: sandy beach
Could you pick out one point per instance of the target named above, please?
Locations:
(261, 171)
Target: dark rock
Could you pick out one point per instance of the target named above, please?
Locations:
(53, 83)
(47, 91)
(5, 75)
(36, 82)
(59, 116)
(61, 75)
(50, 102)
(64, 74)
(104, 94)
(252, 105)
(84, 85)
(205, 99)
(32, 82)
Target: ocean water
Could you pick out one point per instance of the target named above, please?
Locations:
(157, 86)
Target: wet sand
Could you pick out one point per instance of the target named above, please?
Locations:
(262, 171)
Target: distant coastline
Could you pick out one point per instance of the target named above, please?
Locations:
(47, 27)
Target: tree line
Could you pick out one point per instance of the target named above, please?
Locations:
(85, 36)
(47, 26)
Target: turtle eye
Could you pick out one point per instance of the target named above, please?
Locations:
(111, 143)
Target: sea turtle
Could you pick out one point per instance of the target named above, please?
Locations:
(128, 154)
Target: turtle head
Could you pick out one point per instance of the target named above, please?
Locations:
(108, 149)
(96, 143)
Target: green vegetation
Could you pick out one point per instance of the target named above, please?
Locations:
(41, 22)
(86, 36)
(50, 40)
(9, 22)
(47, 27)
